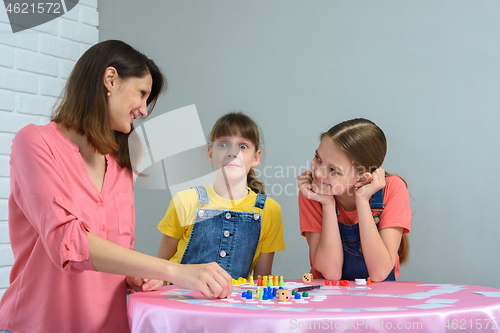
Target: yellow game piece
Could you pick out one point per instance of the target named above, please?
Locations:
(250, 282)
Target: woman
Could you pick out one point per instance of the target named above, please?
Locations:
(71, 207)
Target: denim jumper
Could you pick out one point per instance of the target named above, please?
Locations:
(227, 237)
(354, 263)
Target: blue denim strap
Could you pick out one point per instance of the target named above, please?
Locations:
(377, 200)
(377, 204)
(202, 194)
(260, 201)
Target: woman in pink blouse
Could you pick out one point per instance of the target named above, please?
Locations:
(71, 206)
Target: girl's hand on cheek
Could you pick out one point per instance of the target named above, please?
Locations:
(304, 182)
(369, 184)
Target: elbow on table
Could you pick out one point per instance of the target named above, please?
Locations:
(379, 276)
(330, 272)
(334, 276)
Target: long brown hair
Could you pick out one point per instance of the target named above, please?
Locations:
(238, 123)
(83, 105)
(365, 144)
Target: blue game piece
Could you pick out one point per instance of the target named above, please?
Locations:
(297, 296)
(274, 292)
(249, 296)
(244, 294)
(281, 288)
(265, 297)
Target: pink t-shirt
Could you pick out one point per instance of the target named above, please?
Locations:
(53, 284)
(396, 213)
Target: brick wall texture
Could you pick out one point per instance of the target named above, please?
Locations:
(34, 65)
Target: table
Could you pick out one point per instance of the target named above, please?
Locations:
(381, 307)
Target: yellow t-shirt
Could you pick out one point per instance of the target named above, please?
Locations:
(178, 221)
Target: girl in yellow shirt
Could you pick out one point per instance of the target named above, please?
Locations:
(231, 222)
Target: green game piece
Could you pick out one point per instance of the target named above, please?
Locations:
(294, 292)
(305, 294)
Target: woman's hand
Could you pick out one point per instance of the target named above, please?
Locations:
(304, 182)
(140, 284)
(210, 279)
(369, 184)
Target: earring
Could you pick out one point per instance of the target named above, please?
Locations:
(109, 93)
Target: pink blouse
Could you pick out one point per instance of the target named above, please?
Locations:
(53, 284)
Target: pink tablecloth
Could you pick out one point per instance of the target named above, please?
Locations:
(381, 307)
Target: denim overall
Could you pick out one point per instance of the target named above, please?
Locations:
(354, 263)
(227, 237)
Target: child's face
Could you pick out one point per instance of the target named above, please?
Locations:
(333, 172)
(235, 155)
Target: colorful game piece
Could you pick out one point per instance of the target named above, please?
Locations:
(250, 282)
(334, 283)
(282, 281)
(327, 282)
(249, 295)
(294, 292)
(297, 296)
(244, 294)
(344, 283)
(259, 280)
(305, 294)
(369, 281)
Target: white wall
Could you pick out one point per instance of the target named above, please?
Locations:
(34, 66)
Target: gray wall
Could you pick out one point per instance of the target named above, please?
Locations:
(427, 72)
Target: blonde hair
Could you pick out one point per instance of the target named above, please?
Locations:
(238, 123)
(365, 144)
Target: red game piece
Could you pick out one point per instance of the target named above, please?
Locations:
(344, 283)
(327, 282)
(334, 283)
(369, 281)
